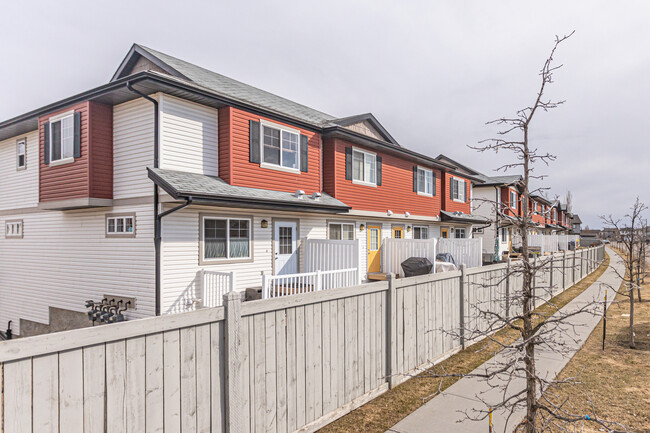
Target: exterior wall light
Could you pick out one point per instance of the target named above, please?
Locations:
(362, 227)
(265, 224)
(408, 228)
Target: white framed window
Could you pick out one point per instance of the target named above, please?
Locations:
(460, 233)
(504, 235)
(280, 147)
(425, 181)
(535, 207)
(364, 167)
(21, 150)
(62, 137)
(14, 229)
(120, 225)
(458, 190)
(341, 231)
(225, 238)
(513, 199)
(420, 232)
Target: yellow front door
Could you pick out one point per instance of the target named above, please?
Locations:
(398, 232)
(374, 243)
(444, 233)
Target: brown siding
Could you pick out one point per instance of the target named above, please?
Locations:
(224, 143)
(91, 175)
(101, 150)
(70, 180)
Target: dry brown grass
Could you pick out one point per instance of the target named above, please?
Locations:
(616, 380)
(380, 414)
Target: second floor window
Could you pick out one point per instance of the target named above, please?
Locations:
(20, 154)
(535, 209)
(424, 181)
(62, 137)
(513, 199)
(458, 190)
(364, 167)
(280, 146)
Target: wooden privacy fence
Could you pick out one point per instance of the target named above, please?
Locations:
(286, 364)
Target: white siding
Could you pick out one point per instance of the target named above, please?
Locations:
(180, 250)
(133, 134)
(65, 259)
(188, 136)
(19, 188)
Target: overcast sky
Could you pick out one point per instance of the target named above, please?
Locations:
(432, 74)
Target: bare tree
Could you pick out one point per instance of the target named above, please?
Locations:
(514, 372)
(633, 237)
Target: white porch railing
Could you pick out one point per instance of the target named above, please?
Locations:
(274, 286)
(214, 285)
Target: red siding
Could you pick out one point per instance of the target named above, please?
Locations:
(505, 200)
(74, 180)
(451, 205)
(244, 173)
(224, 143)
(395, 192)
(536, 217)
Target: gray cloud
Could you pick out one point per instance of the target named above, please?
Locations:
(432, 72)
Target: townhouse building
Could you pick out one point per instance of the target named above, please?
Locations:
(132, 189)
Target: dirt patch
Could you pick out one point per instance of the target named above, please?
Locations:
(382, 413)
(617, 380)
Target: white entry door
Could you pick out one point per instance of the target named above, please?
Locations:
(286, 257)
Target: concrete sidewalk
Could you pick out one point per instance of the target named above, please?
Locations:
(447, 411)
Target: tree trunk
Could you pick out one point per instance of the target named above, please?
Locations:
(632, 344)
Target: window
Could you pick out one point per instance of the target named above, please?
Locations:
(424, 181)
(504, 235)
(535, 209)
(364, 167)
(513, 199)
(373, 239)
(120, 225)
(14, 229)
(227, 238)
(477, 230)
(460, 233)
(280, 146)
(21, 146)
(62, 137)
(341, 231)
(458, 190)
(420, 232)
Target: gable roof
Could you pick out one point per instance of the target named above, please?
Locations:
(458, 165)
(221, 84)
(499, 180)
(367, 117)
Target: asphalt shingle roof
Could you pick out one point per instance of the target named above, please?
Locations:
(180, 184)
(499, 180)
(252, 95)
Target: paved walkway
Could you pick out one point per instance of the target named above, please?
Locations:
(446, 412)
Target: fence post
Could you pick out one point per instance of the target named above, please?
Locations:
(563, 270)
(234, 374)
(508, 289)
(391, 319)
(582, 263)
(551, 276)
(573, 268)
(463, 287)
